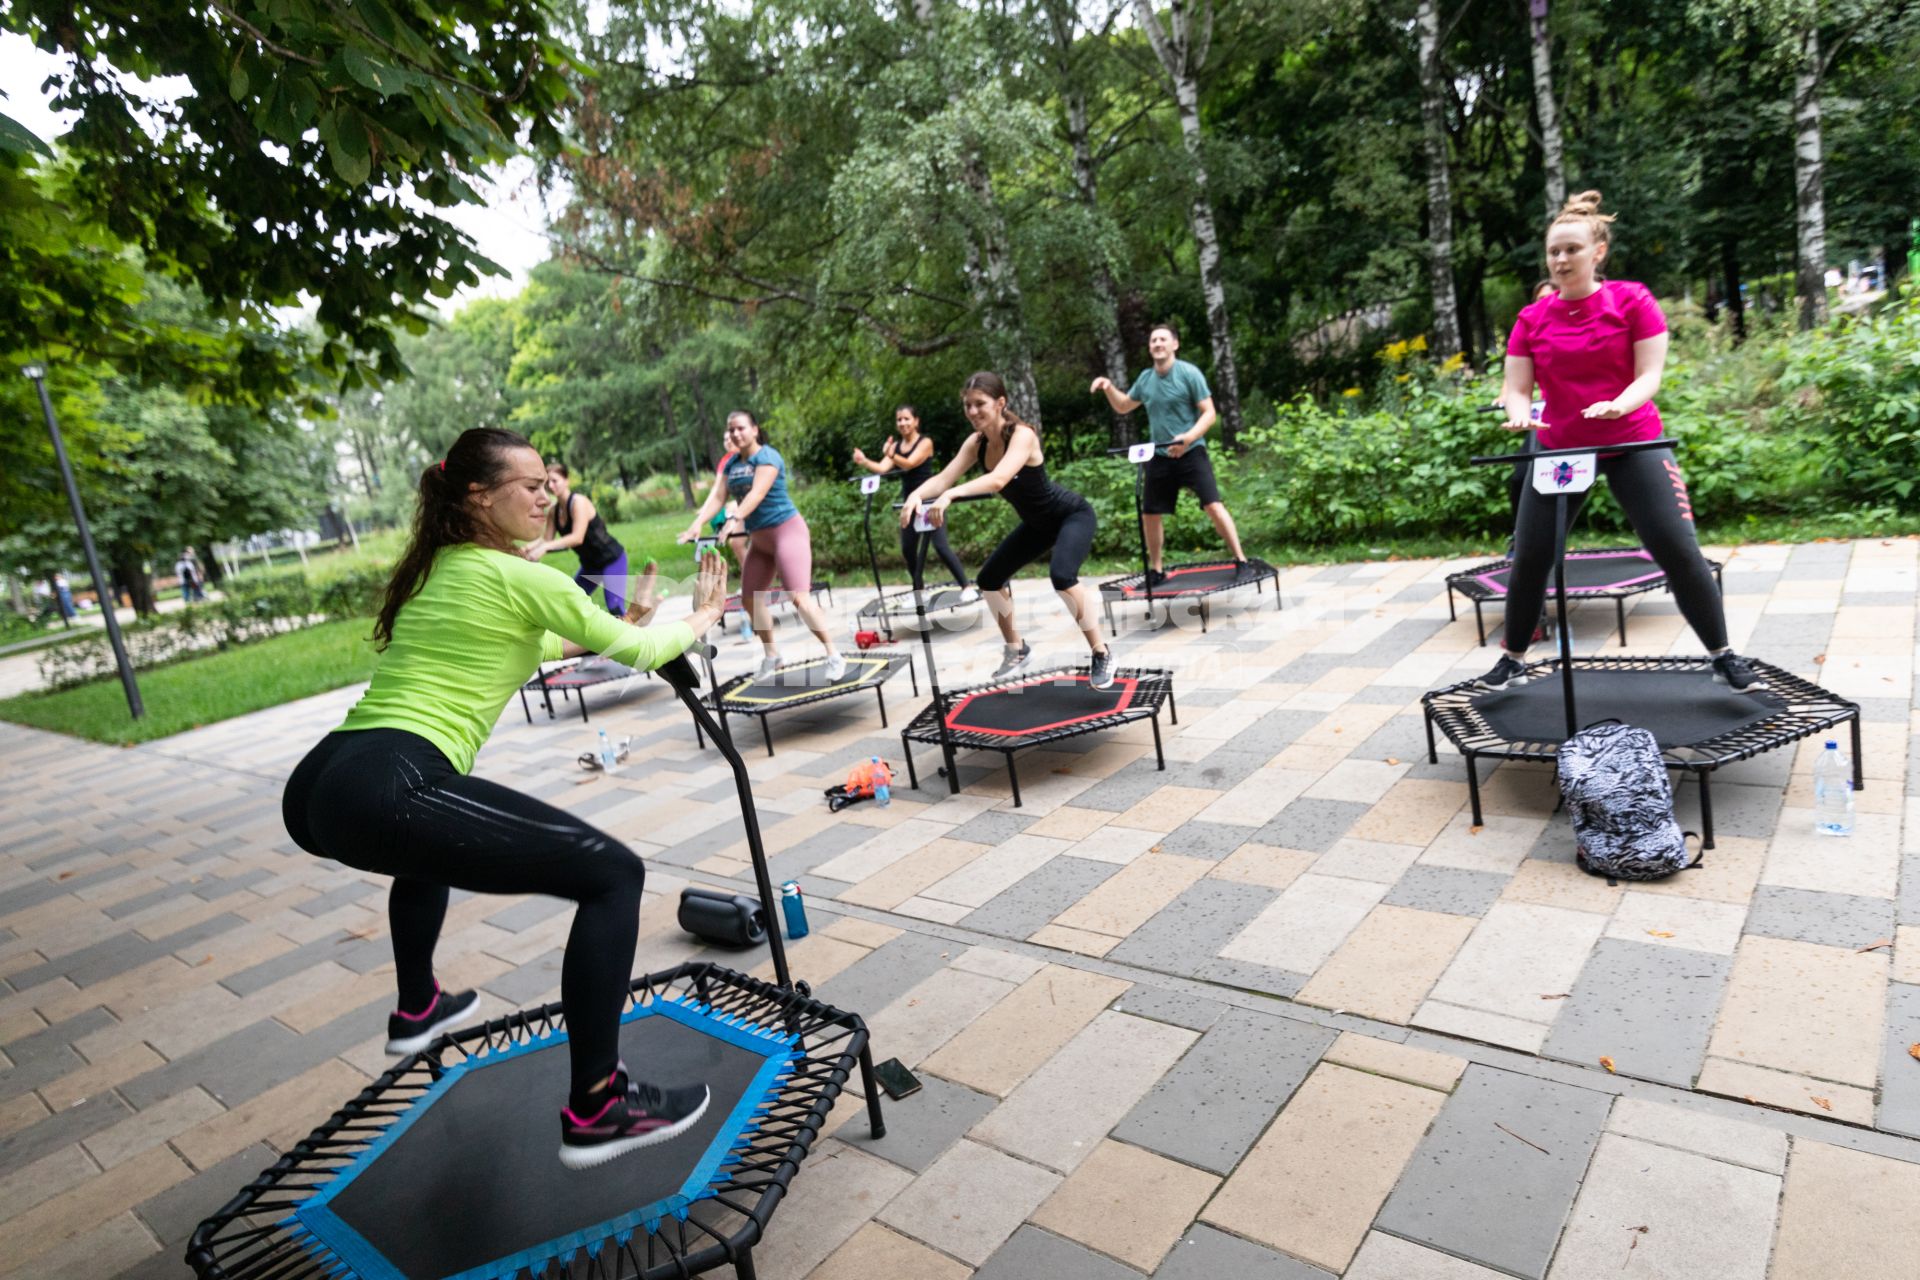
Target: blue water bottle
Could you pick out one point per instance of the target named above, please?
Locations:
(882, 793)
(794, 909)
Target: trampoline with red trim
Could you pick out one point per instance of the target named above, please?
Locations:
(1611, 573)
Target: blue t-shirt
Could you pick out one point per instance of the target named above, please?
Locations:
(1172, 402)
(776, 507)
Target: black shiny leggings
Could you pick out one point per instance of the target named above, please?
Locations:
(1651, 492)
(910, 548)
(388, 801)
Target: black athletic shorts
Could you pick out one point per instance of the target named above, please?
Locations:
(1167, 476)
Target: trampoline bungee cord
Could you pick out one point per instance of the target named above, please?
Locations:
(1025, 710)
(443, 1168)
(1700, 726)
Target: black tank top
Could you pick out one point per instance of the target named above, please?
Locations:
(909, 479)
(599, 548)
(1033, 495)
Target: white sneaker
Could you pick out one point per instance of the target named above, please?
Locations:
(969, 595)
(769, 664)
(836, 668)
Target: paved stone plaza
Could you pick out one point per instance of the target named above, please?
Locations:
(1277, 1012)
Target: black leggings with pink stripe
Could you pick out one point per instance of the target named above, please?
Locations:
(390, 802)
(1649, 489)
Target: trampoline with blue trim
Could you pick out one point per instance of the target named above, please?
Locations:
(445, 1169)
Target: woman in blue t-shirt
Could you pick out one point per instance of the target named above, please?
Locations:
(779, 544)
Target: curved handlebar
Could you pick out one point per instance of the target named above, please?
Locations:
(1637, 446)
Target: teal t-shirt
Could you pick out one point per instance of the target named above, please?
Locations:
(777, 507)
(474, 634)
(1172, 402)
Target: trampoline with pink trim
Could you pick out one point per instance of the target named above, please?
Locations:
(1613, 573)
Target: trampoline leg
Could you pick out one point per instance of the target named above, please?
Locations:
(767, 734)
(546, 696)
(1453, 615)
(583, 706)
(1706, 812)
(913, 674)
(743, 1266)
(523, 707)
(883, 705)
(913, 778)
(1172, 707)
(1473, 788)
(1013, 776)
(1203, 617)
(1479, 622)
(1433, 749)
(1859, 782)
(875, 1119)
(1158, 754)
(1620, 613)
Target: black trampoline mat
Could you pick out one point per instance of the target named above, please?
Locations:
(1679, 708)
(806, 680)
(1054, 703)
(1193, 579)
(1590, 571)
(477, 1177)
(589, 671)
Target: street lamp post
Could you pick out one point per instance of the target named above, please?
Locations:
(39, 375)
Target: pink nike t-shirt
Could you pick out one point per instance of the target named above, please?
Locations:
(1582, 352)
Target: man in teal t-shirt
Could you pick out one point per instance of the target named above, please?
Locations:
(1179, 414)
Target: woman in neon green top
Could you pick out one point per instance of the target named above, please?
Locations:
(466, 621)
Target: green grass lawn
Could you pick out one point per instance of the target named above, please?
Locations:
(199, 691)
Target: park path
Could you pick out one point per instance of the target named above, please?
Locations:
(1278, 1011)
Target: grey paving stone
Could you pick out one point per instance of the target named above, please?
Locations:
(609, 798)
(1403, 738)
(1196, 1013)
(527, 913)
(821, 888)
(991, 827)
(245, 814)
(881, 976)
(363, 955)
(1555, 844)
(1399, 640)
(1309, 667)
(1193, 927)
(1770, 769)
(1311, 825)
(534, 978)
(1808, 915)
(1030, 1253)
(1475, 1190)
(1124, 789)
(131, 906)
(231, 844)
(256, 1058)
(1390, 695)
(1649, 1008)
(1419, 593)
(1908, 904)
(1208, 697)
(727, 828)
(76, 1124)
(1219, 770)
(212, 887)
(36, 892)
(1215, 1103)
(1452, 890)
(177, 1212)
(352, 891)
(91, 963)
(822, 846)
(1883, 710)
(1899, 1079)
(1248, 976)
(1749, 582)
(920, 1126)
(299, 960)
(1275, 731)
(1206, 1254)
(1883, 599)
(1212, 840)
(51, 1043)
(1738, 809)
(1830, 558)
(1039, 896)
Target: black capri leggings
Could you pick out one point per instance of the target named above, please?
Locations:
(910, 548)
(388, 801)
(1071, 539)
(1650, 490)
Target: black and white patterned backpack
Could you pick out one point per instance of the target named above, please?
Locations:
(1621, 802)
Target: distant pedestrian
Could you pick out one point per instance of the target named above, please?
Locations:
(63, 591)
(187, 568)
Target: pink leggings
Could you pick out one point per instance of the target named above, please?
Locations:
(785, 549)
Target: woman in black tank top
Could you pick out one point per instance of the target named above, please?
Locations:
(1051, 516)
(909, 455)
(577, 526)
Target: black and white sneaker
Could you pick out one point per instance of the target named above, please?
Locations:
(1013, 661)
(635, 1115)
(412, 1032)
(1156, 578)
(1509, 672)
(1242, 570)
(1100, 670)
(1735, 672)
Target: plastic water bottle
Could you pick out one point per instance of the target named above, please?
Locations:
(882, 793)
(794, 909)
(1833, 793)
(608, 759)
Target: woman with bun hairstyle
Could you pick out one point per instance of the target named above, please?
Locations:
(1597, 349)
(1055, 521)
(908, 453)
(754, 476)
(465, 622)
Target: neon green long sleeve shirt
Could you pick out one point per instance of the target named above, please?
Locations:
(475, 633)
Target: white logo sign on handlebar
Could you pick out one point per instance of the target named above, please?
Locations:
(1140, 453)
(870, 484)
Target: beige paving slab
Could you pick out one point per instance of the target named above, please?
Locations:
(969, 1201)
(119, 1242)
(1167, 808)
(1414, 812)
(279, 1117)
(1639, 1212)
(1806, 1009)
(1385, 1257)
(996, 963)
(1298, 930)
(1134, 894)
(50, 1224)
(862, 933)
(1478, 1024)
(1561, 884)
(1518, 953)
(840, 1191)
(913, 873)
(150, 1127)
(871, 857)
(1499, 845)
(1668, 920)
(1367, 860)
(1059, 1113)
(1263, 864)
(1396, 1061)
(1003, 1046)
(1772, 1088)
(21, 1112)
(933, 909)
(1846, 1213)
(1361, 781)
(1866, 864)
(816, 957)
(45, 1178)
(1735, 1141)
(1078, 941)
(1263, 794)
(1728, 873)
(875, 1253)
(1070, 823)
(1313, 1183)
(1127, 1203)
(995, 871)
(1347, 726)
(930, 1012)
(1388, 963)
(1517, 790)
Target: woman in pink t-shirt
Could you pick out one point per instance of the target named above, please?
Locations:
(1597, 348)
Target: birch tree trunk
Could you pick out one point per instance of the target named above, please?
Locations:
(1809, 180)
(1552, 149)
(1182, 52)
(1433, 117)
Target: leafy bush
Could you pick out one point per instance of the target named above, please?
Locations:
(1855, 393)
